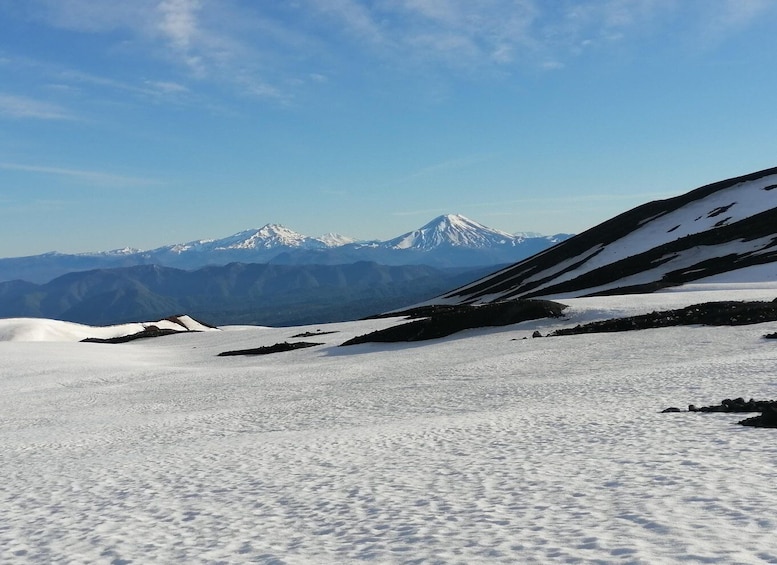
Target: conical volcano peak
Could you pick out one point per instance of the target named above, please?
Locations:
(453, 230)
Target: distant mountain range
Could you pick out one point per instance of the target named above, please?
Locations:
(447, 241)
(238, 293)
(722, 232)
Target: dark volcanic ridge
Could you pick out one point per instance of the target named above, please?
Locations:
(728, 313)
(268, 349)
(713, 230)
(442, 321)
(148, 332)
(151, 330)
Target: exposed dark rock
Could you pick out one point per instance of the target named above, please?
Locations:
(441, 321)
(735, 405)
(767, 418)
(311, 334)
(536, 334)
(710, 314)
(176, 319)
(722, 222)
(266, 350)
(771, 336)
(150, 331)
(718, 211)
(768, 409)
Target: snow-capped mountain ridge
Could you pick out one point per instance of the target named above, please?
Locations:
(453, 230)
(447, 241)
(726, 231)
(270, 236)
(332, 239)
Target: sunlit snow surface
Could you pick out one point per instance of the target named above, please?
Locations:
(482, 447)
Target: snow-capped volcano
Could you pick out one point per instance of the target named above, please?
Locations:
(447, 241)
(453, 230)
(270, 236)
(335, 239)
(723, 232)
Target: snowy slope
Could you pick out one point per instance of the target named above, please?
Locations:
(480, 448)
(709, 232)
(37, 329)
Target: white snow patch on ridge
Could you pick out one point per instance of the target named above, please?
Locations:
(37, 329)
(741, 201)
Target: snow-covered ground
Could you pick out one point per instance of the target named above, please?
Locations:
(35, 329)
(482, 447)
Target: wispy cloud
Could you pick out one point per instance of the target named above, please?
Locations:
(355, 17)
(23, 107)
(601, 197)
(92, 177)
(443, 167)
(209, 41)
(146, 88)
(424, 212)
(503, 34)
(733, 16)
(180, 25)
(568, 202)
(266, 50)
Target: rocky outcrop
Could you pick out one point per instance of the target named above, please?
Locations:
(736, 405)
(767, 418)
(767, 408)
(149, 331)
(268, 349)
(730, 313)
(441, 321)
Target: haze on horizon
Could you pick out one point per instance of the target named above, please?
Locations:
(161, 121)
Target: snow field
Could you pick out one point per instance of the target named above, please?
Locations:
(482, 447)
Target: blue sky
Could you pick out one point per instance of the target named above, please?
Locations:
(152, 122)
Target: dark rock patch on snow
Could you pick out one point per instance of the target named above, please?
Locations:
(767, 418)
(266, 350)
(767, 408)
(150, 331)
(718, 211)
(738, 405)
(311, 334)
(730, 313)
(728, 405)
(441, 321)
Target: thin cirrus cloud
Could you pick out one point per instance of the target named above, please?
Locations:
(23, 107)
(263, 49)
(513, 34)
(93, 177)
